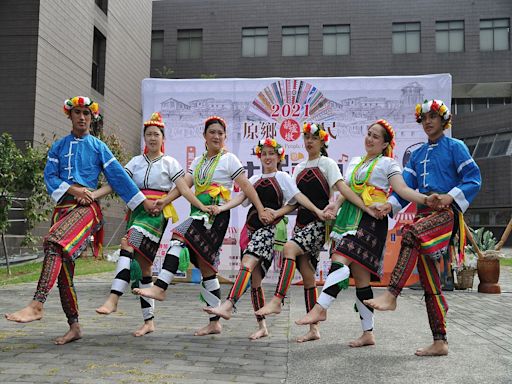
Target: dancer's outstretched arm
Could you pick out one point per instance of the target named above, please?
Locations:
(351, 196)
(234, 202)
(306, 203)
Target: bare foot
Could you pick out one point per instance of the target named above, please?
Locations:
(261, 332)
(317, 313)
(147, 327)
(225, 310)
(73, 334)
(384, 302)
(213, 328)
(32, 312)
(367, 338)
(437, 348)
(109, 306)
(273, 306)
(312, 335)
(153, 292)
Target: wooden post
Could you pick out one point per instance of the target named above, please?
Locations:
(469, 235)
(505, 236)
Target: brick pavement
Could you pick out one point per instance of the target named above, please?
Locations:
(480, 334)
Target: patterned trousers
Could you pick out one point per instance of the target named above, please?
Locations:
(71, 232)
(423, 243)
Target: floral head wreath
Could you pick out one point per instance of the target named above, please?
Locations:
(436, 106)
(388, 151)
(269, 143)
(318, 130)
(219, 119)
(82, 101)
(155, 120)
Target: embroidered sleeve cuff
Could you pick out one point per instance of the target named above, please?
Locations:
(136, 200)
(60, 191)
(459, 198)
(395, 204)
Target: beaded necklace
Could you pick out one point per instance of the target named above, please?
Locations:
(201, 183)
(358, 185)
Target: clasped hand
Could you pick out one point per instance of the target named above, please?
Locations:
(439, 202)
(267, 216)
(83, 195)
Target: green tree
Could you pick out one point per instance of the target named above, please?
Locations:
(164, 72)
(10, 158)
(208, 75)
(21, 175)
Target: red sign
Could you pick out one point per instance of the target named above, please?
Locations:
(290, 130)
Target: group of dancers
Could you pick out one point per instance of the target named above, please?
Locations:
(440, 177)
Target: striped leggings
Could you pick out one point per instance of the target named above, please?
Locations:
(423, 242)
(57, 267)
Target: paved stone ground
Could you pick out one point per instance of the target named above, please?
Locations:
(480, 335)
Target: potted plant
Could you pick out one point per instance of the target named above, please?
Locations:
(488, 262)
(465, 273)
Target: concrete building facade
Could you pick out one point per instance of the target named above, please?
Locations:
(54, 49)
(299, 38)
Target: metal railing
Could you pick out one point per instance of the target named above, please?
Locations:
(17, 206)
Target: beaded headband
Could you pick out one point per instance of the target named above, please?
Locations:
(391, 133)
(436, 106)
(220, 119)
(317, 130)
(269, 143)
(81, 101)
(155, 120)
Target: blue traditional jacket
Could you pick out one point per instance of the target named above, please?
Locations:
(444, 167)
(73, 160)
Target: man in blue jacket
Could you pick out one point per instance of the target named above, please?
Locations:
(71, 175)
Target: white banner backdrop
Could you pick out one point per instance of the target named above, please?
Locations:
(277, 107)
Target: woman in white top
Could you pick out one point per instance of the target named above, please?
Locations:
(275, 189)
(201, 235)
(315, 178)
(155, 174)
(358, 238)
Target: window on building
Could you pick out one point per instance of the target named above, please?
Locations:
(498, 101)
(501, 146)
(480, 218)
(471, 144)
(190, 43)
(503, 216)
(495, 35)
(336, 40)
(484, 146)
(449, 36)
(295, 41)
(479, 103)
(157, 45)
(103, 5)
(98, 62)
(406, 37)
(254, 42)
(462, 105)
